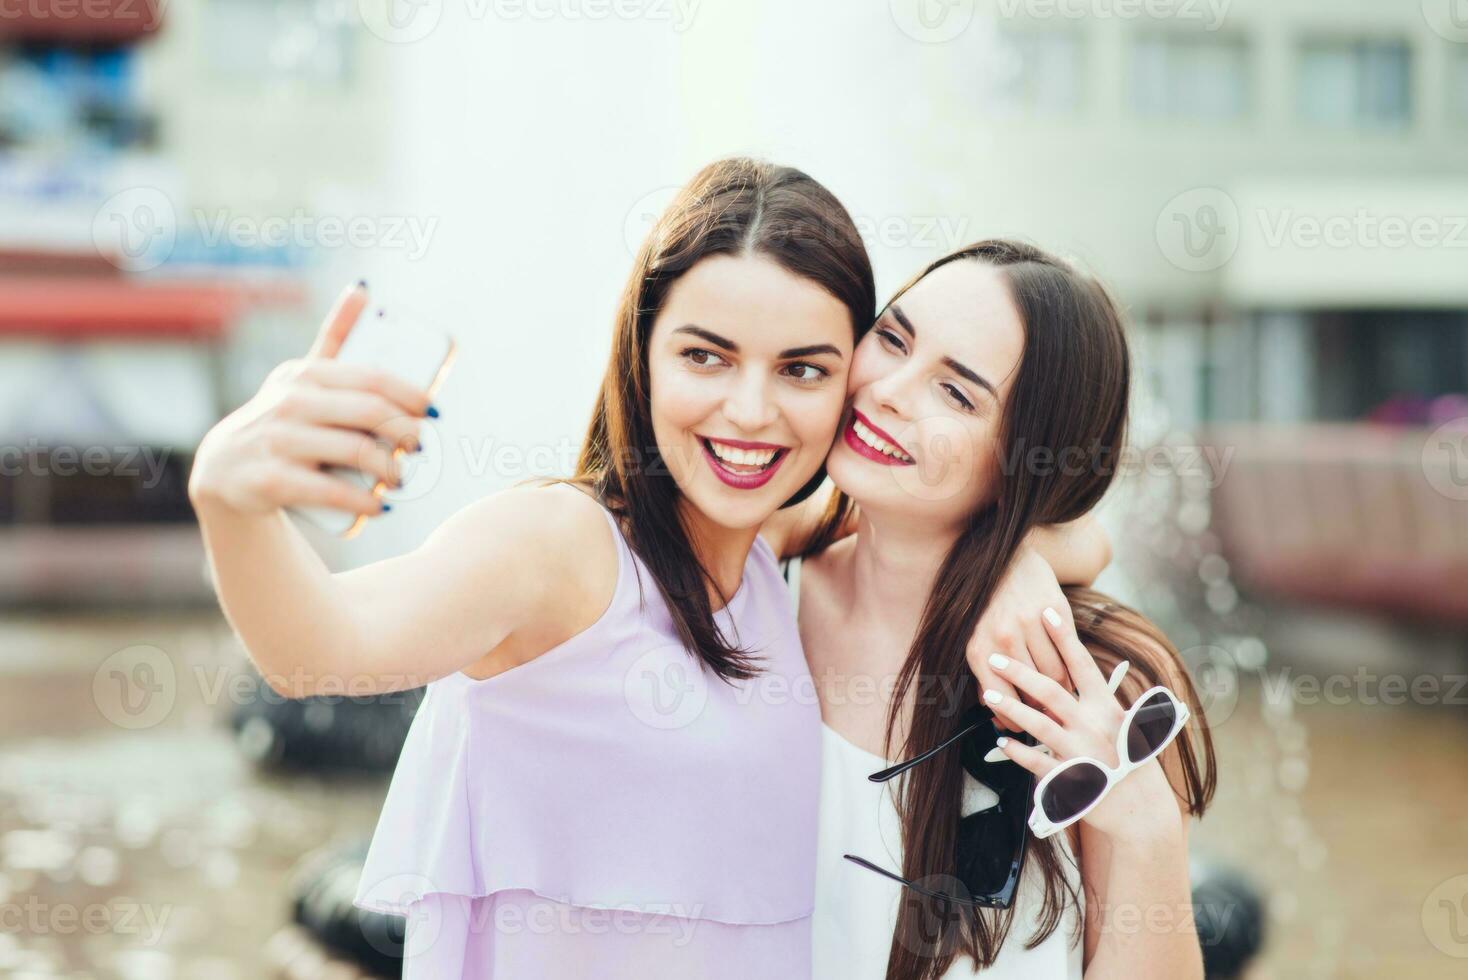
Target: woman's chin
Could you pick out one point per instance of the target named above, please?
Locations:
(864, 482)
(739, 509)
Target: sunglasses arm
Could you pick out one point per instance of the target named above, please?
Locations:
(902, 767)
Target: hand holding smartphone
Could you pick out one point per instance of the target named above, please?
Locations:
(326, 433)
(419, 355)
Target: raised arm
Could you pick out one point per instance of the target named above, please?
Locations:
(1133, 846)
(516, 561)
(522, 561)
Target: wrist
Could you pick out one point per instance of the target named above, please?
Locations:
(1148, 837)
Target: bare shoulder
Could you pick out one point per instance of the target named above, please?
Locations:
(568, 574)
(557, 536)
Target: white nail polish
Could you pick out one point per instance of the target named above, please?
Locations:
(998, 660)
(1051, 616)
(993, 697)
(995, 755)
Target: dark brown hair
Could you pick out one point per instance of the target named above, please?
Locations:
(735, 206)
(1071, 391)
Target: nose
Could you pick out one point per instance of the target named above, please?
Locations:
(749, 405)
(894, 392)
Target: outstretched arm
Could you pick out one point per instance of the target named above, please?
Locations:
(501, 564)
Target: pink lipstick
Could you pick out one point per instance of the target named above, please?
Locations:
(745, 479)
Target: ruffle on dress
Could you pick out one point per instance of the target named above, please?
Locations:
(613, 774)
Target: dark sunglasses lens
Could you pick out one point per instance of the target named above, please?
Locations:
(1152, 723)
(1072, 790)
(985, 851)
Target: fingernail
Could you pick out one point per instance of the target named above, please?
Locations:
(1052, 617)
(432, 412)
(998, 660)
(995, 755)
(993, 697)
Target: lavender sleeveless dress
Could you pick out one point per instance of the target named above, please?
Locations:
(611, 809)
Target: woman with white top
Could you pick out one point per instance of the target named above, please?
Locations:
(989, 398)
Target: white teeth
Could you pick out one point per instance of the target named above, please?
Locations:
(877, 442)
(742, 457)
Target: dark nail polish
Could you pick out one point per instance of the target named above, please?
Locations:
(432, 412)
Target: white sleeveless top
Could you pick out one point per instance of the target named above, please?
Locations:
(856, 909)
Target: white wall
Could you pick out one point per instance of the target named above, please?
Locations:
(538, 146)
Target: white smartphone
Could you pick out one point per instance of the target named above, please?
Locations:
(419, 355)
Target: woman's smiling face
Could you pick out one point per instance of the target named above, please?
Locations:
(748, 365)
(928, 385)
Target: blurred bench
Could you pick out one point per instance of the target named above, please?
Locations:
(1368, 516)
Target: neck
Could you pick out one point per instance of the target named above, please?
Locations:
(894, 564)
(722, 551)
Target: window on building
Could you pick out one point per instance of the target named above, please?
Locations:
(1191, 76)
(1038, 71)
(1357, 83)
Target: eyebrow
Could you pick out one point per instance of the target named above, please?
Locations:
(809, 351)
(962, 369)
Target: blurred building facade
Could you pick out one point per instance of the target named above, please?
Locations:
(1279, 192)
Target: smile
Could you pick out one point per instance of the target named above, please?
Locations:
(743, 465)
(869, 441)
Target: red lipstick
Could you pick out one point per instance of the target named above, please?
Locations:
(862, 449)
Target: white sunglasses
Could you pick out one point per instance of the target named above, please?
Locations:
(1072, 789)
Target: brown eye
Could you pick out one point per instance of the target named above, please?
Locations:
(890, 339)
(807, 372)
(700, 357)
(958, 397)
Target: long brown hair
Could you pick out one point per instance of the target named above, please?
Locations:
(1070, 392)
(735, 206)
